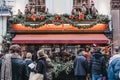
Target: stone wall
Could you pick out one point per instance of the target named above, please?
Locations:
(115, 12)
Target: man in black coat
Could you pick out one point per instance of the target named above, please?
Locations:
(12, 67)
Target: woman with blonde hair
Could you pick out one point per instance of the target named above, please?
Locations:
(41, 63)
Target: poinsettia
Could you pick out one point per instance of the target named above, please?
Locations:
(34, 17)
(81, 16)
(57, 17)
(71, 16)
(28, 17)
(42, 17)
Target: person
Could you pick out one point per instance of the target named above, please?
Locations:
(97, 65)
(41, 63)
(80, 66)
(73, 10)
(19, 12)
(12, 65)
(33, 10)
(28, 61)
(87, 54)
(93, 10)
(84, 8)
(27, 9)
(114, 65)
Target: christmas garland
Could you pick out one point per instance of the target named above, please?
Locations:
(35, 21)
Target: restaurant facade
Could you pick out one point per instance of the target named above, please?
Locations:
(54, 26)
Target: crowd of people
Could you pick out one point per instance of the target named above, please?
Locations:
(87, 66)
(97, 68)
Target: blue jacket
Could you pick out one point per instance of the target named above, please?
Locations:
(114, 69)
(80, 65)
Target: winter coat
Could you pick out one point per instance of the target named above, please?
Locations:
(97, 64)
(80, 65)
(114, 69)
(19, 71)
(42, 67)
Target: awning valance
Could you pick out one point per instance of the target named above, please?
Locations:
(60, 39)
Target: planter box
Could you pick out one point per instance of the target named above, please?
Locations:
(65, 27)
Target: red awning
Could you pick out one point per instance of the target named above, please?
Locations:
(60, 38)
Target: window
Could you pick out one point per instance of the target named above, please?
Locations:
(38, 5)
(78, 3)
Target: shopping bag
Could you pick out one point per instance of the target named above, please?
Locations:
(35, 76)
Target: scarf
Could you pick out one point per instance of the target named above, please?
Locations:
(6, 69)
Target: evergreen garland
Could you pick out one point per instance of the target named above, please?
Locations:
(42, 19)
(6, 43)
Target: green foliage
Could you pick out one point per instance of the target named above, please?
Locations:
(49, 18)
(6, 43)
(61, 67)
(102, 19)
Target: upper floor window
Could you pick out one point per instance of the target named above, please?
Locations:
(78, 3)
(37, 5)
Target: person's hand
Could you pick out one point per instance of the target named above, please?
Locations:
(104, 78)
(88, 75)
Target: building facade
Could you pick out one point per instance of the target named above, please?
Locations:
(55, 7)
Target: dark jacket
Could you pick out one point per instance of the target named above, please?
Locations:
(27, 62)
(19, 71)
(80, 65)
(97, 64)
(41, 67)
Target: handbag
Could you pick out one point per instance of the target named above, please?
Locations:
(35, 76)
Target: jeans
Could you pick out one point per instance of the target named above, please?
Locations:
(97, 76)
